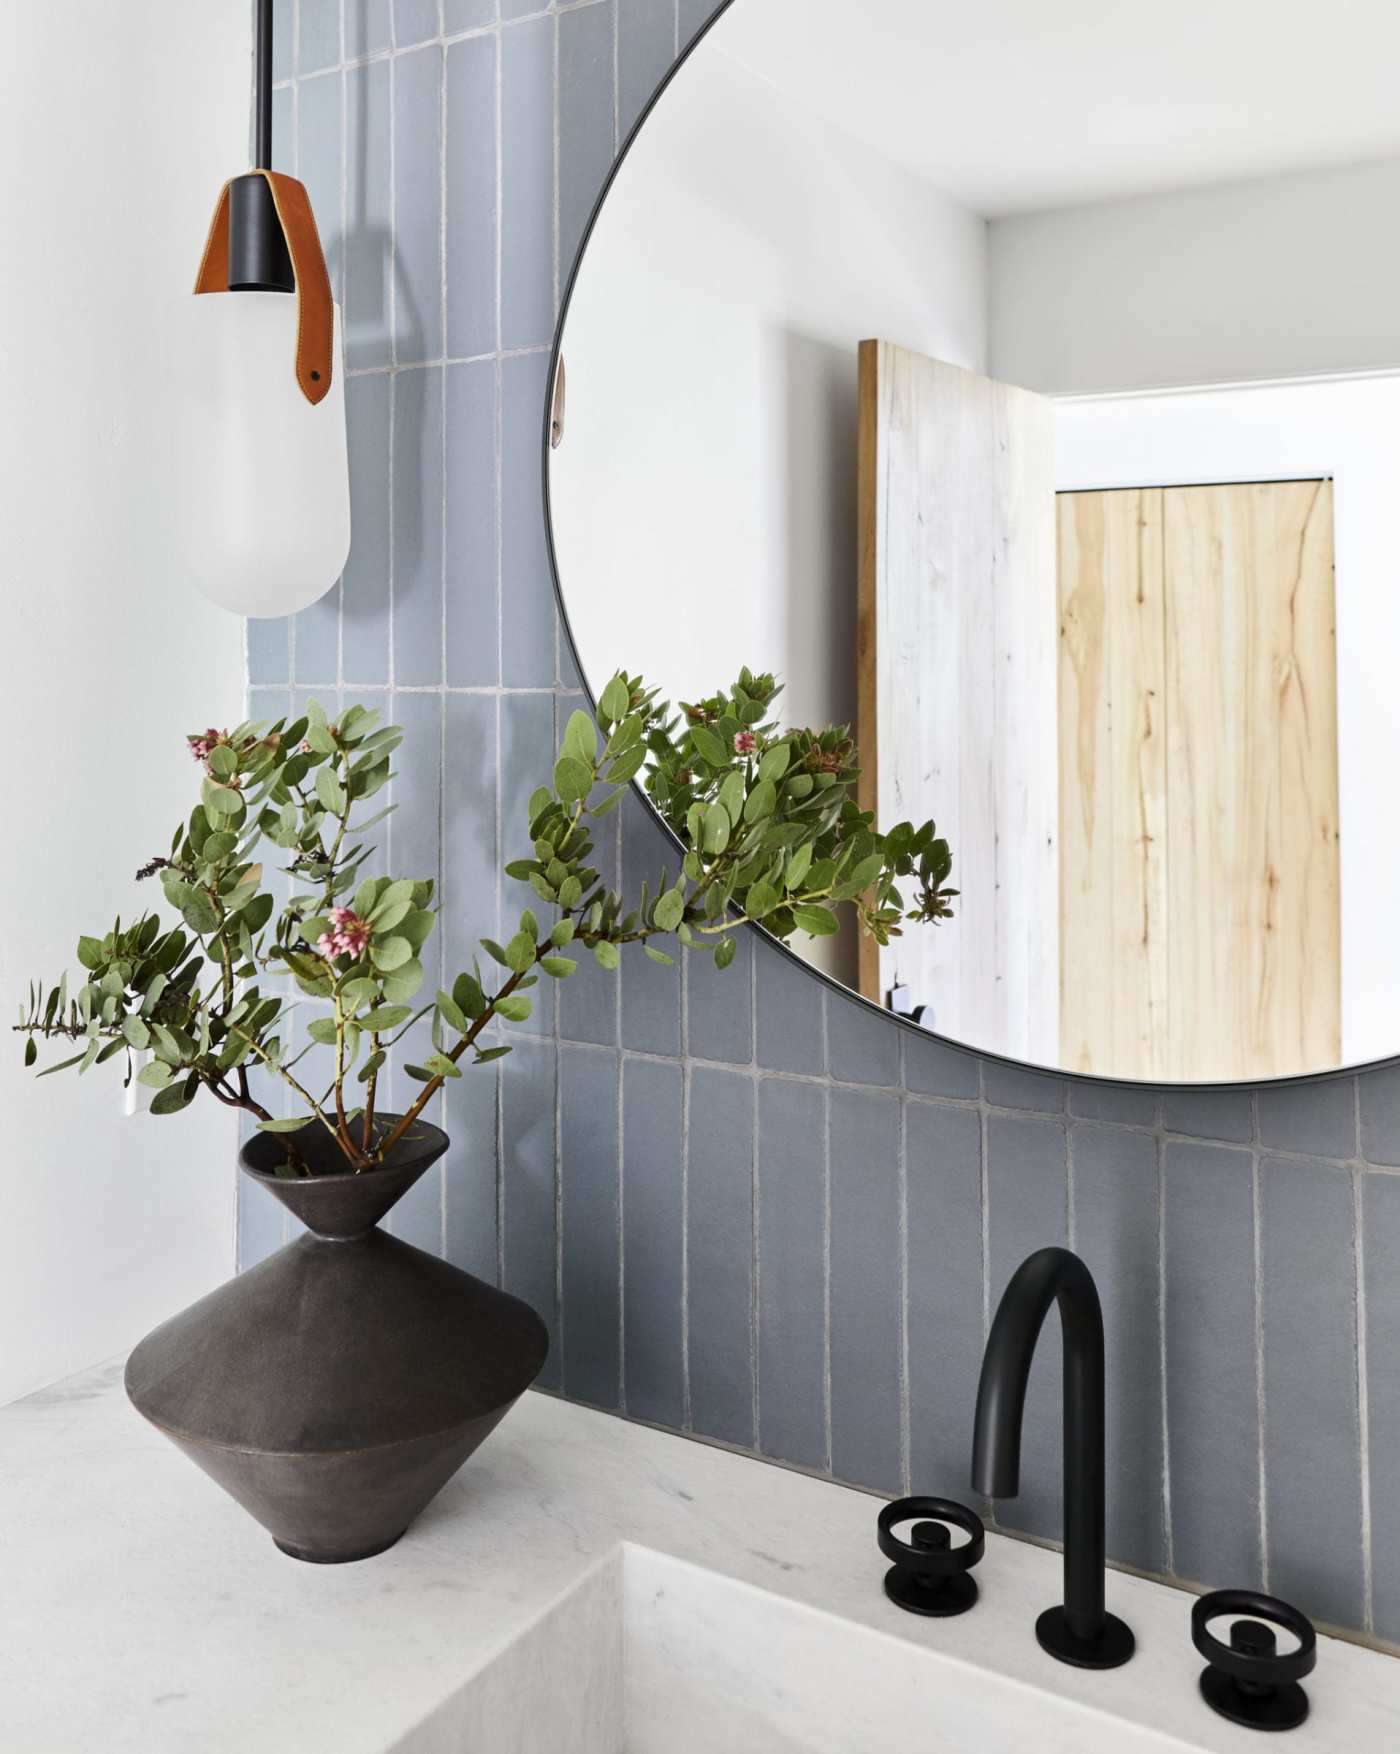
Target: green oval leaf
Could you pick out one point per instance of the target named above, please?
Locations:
(388, 954)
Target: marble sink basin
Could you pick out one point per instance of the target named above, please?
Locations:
(649, 1654)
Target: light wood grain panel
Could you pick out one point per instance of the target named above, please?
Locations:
(957, 685)
(1115, 1004)
(1252, 780)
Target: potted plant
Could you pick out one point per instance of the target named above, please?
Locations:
(337, 1386)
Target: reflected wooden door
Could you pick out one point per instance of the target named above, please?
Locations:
(1200, 895)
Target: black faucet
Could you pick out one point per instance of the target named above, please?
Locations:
(1079, 1631)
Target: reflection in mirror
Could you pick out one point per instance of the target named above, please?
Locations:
(1021, 388)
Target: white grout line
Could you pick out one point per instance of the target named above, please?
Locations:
(1168, 1535)
(826, 1274)
(905, 1417)
(1363, 1396)
(687, 1411)
(1260, 1390)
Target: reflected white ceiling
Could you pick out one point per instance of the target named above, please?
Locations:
(1014, 106)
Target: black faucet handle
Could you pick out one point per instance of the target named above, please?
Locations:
(1248, 1681)
(930, 1575)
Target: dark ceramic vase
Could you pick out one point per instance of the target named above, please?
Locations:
(334, 1389)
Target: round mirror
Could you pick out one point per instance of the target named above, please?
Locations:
(1018, 385)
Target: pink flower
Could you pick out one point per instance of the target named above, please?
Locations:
(304, 748)
(203, 746)
(746, 743)
(348, 935)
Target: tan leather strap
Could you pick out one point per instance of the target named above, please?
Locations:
(315, 318)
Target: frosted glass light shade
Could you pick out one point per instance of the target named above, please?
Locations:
(261, 487)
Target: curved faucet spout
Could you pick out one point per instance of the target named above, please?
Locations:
(1081, 1632)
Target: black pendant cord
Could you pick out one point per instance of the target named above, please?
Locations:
(262, 89)
(258, 259)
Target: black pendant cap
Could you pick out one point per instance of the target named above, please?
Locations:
(258, 258)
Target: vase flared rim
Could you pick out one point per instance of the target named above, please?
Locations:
(423, 1140)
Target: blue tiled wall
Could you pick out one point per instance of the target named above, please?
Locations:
(748, 1208)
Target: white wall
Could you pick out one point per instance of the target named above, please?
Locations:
(1287, 277)
(117, 125)
(1349, 430)
(704, 497)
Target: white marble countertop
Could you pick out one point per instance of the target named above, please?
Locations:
(141, 1609)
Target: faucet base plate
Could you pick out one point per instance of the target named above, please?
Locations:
(938, 1597)
(1110, 1650)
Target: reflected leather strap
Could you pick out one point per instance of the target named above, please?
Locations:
(315, 316)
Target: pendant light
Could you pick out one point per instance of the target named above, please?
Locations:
(260, 495)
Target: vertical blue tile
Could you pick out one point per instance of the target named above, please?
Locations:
(284, 131)
(318, 642)
(418, 206)
(416, 794)
(693, 14)
(943, 1158)
(792, 1373)
(260, 1221)
(1116, 1234)
(586, 133)
(1027, 1209)
(719, 1254)
(1312, 1429)
(415, 21)
(652, 1269)
(269, 651)
(318, 34)
(368, 216)
(527, 184)
(1379, 1102)
(511, 9)
(589, 1001)
(650, 992)
(1318, 1120)
(417, 1219)
(468, 14)
(528, 1171)
(269, 705)
(469, 875)
(471, 197)
(367, 27)
(283, 47)
(719, 1005)
(1212, 1382)
(1109, 1102)
(470, 857)
(473, 647)
(590, 1226)
(866, 1339)
(319, 103)
(527, 736)
(646, 47)
(791, 1034)
(527, 589)
(417, 527)
(1226, 1115)
(934, 1068)
(862, 1045)
(1019, 1087)
(1381, 1230)
(470, 1190)
(365, 594)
